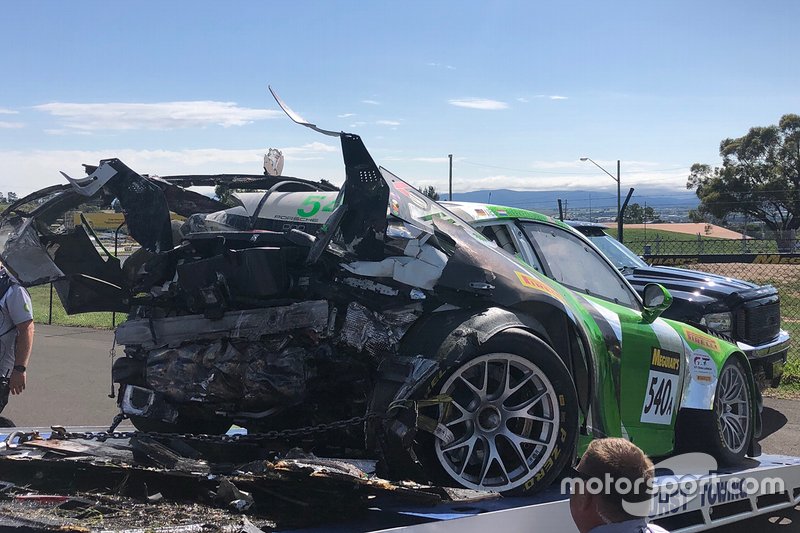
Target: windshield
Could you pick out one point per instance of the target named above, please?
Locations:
(616, 252)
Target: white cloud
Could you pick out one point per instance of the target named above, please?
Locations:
(441, 65)
(370, 102)
(523, 100)
(346, 115)
(4, 111)
(388, 123)
(157, 116)
(26, 171)
(11, 125)
(552, 96)
(479, 103)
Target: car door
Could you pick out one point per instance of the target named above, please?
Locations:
(644, 359)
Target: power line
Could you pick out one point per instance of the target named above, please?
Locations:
(561, 173)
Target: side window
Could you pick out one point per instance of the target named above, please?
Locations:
(499, 233)
(502, 234)
(577, 265)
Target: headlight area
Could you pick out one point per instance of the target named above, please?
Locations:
(721, 322)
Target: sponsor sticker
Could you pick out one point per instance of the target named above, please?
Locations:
(702, 367)
(662, 386)
(701, 339)
(533, 283)
(482, 213)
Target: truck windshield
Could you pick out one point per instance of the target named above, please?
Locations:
(615, 251)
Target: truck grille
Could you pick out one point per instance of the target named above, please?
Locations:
(757, 325)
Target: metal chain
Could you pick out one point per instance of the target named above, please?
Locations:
(101, 436)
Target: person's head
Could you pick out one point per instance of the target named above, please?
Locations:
(623, 472)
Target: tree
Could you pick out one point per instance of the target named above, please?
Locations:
(636, 214)
(430, 192)
(759, 178)
(12, 197)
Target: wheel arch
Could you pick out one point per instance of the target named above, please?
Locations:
(457, 335)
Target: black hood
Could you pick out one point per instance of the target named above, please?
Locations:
(700, 287)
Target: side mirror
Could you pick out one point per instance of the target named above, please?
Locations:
(656, 300)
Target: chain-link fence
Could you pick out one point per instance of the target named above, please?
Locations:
(753, 260)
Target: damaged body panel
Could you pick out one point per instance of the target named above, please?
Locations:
(296, 305)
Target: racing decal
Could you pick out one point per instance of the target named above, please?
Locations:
(533, 283)
(316, 203)
(701, 384)
(662, 386)
(702, 367)
(607, 319)
(483, 213)
(701, 339)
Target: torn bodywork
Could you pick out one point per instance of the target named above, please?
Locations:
(263, 313)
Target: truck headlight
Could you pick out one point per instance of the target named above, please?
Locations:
(722, 322)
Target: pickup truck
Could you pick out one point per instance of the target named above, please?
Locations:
(748, 313)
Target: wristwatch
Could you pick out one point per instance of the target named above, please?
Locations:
(19, 368)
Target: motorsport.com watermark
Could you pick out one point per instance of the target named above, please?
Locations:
(680, 480)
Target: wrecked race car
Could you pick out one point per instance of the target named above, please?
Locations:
(389, 320)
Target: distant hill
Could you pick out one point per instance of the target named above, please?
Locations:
(580, 199)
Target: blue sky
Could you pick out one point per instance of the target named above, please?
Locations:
(516, 91)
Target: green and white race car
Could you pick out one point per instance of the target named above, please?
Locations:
(663, 384)
(478, 346)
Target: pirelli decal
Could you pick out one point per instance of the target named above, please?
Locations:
(701, 339)
(665, 361)
(533, 283)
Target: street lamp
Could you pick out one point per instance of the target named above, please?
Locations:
(619, 196)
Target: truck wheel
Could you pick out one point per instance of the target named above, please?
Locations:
(512, 423)
(726, 430)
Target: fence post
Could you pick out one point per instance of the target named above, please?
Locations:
(50, 311)
(699, 244)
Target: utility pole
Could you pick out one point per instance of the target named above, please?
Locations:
(619, 194)
(450, 156)
(619, 208)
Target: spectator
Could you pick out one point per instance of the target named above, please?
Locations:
(16, 339)
(608, 510)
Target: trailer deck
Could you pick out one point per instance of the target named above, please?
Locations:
(137, 484)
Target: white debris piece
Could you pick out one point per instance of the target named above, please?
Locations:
(421, 266)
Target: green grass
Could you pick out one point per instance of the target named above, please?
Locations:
(670, 242)
(41, 312)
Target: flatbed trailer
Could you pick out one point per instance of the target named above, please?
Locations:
(50, 483)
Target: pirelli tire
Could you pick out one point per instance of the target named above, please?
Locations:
(726, 430)
(512, 424)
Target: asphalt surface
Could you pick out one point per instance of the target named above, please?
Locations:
(69, 381)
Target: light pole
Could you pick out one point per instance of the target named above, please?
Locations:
(619, 195)
(450, 196)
